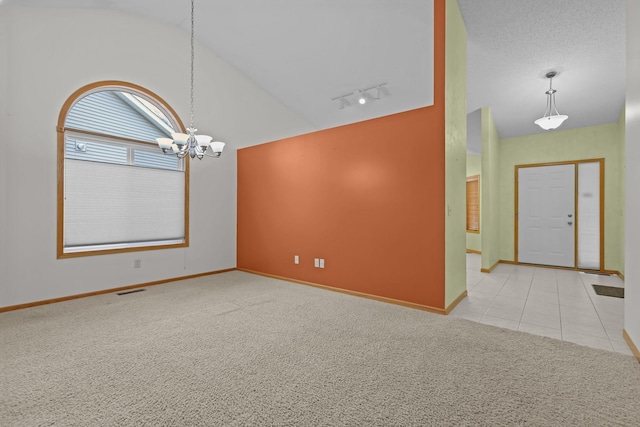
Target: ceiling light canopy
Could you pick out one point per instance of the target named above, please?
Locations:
(190, 144)
(550, 120)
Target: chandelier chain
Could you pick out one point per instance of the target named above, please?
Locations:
(190, 144)
(192, 56)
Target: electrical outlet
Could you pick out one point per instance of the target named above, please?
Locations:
(321, 262)
(296, 259)
(316, 263)
(137, 263)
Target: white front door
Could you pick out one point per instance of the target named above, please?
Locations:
(546, 215)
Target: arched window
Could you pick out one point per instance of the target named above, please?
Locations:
(117, 191)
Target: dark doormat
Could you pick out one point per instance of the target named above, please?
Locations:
(609, 291)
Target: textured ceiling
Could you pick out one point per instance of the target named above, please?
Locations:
(512, 44)
(305, 52)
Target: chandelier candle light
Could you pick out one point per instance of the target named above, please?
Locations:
(549, 120)
(192, 145)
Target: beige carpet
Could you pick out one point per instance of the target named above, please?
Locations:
(241, 350)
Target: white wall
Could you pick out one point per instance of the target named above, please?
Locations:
(45, 55)
(4, 46)
(632, 205)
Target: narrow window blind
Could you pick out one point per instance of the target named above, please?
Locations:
(473, 204)
(588, 219)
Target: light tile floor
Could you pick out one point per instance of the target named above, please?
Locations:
(560, 304)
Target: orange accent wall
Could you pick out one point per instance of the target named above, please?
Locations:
(368, 197)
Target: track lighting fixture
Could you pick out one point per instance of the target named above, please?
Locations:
(361, 96)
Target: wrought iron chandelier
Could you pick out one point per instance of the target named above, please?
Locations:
(190, 144)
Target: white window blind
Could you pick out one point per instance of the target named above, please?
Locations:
(589, 215)
(119, 190)
(107, 204)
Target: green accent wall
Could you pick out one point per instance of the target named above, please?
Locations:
(556, 146)
(455, 153)
(622, 170)
(474, 167)
(490, 224)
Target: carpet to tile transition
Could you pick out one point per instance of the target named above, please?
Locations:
(237, 349)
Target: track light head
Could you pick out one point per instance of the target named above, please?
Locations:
(362, 99)
(362, 96)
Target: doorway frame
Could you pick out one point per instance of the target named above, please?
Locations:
(577, 214)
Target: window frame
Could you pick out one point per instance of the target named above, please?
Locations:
(473, 179)
(61, 141)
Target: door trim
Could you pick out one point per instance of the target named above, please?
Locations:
(577, 214)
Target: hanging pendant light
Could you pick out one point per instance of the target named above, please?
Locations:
(190, 144)
(549, 120)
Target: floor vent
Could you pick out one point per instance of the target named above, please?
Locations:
(609, 291)
(130, 292)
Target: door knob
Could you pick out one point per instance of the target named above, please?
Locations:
(570, 215)
(570, 223)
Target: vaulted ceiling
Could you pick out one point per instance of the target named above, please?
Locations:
(307, 52)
